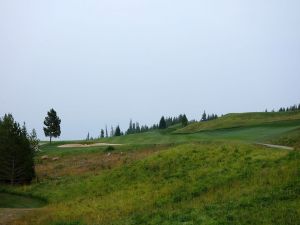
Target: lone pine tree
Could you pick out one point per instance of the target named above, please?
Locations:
(52, 125)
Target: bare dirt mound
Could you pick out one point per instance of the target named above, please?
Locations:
(86, 145)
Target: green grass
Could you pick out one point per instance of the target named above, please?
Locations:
(233, 120)
(248, 134)
(8, 200)
(288, 138)
(229, 183)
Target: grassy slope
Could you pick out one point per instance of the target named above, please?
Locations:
(233, 120)
(288, 138)
(247, 134)
(187, 184)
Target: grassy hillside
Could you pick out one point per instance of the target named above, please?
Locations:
(234, 120)
(226, 183)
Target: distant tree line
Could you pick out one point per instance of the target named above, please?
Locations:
(171, 121)
(207, 117)
(290, 109)
(164, 122)
(135, 127)
(287, 109)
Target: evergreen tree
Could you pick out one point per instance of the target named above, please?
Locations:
(138, 129)
(118, 131)
(130, 129)
(34, 141)
(16, 152)
(106, 132)
(203, 116)
(112, 132)
(184, 120)
(52, 123)
(102, 133)
(88, 136)
(162, 123)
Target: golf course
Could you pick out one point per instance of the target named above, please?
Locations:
(231, 170)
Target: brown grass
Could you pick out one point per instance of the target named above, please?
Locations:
(87, 163)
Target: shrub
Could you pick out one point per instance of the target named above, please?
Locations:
(109, 148)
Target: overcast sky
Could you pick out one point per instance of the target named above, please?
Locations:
(100, 62)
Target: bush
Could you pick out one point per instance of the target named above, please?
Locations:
(109, 148)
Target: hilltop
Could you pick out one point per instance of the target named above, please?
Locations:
(237, 120)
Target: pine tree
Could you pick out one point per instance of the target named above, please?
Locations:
(184, 120)
(203, 116)
(162, 123)
(52, 123)
(106, 132)
(34, 141)
(88, 136)
(16, 152)
(112, 132)
(138, 129)
(102, 133)
(130, 129)
(118, 131)
(133, 128)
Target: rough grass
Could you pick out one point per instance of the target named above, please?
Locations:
(8, 200)
(228, 183)
(289, 138)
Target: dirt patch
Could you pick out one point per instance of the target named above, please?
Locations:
(88, 163)
(8, 215)
(87, 145)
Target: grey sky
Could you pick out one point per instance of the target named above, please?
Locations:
(106, 61)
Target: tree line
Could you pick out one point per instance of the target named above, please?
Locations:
(207, 117)
(135, 127)
(292, 108)
(289, 109)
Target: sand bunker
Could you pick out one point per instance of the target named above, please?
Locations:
(86, 145)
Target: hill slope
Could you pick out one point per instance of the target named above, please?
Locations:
(225, 183)
(234, 120)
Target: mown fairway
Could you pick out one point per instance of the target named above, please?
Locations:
(216, 176)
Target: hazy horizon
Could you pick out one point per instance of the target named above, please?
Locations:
(105, 62)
